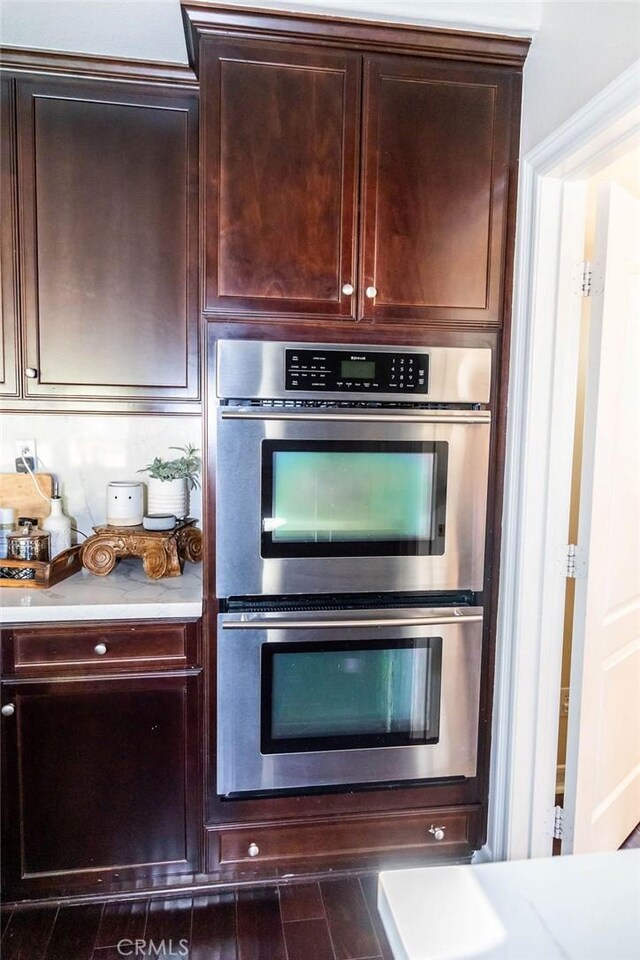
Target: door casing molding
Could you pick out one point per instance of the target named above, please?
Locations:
(540, 427)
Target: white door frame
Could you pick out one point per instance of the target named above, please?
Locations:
(540, 426)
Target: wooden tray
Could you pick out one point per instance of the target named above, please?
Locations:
(40, 573)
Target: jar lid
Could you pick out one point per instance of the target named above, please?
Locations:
(27, 527)
(27, 521)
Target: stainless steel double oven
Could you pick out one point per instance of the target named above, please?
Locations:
(351, 488)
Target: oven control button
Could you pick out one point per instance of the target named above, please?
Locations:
(253, 850)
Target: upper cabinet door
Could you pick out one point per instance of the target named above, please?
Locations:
(435, 190)
(9, 297)
(280, 160)
(109, 234)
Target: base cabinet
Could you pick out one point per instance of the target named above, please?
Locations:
(366, 842)
(100, 782)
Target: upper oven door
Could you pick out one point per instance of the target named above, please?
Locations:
(316, 500)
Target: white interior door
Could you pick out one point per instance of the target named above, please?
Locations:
(602, 785)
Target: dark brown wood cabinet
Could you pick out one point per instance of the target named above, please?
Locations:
(9, 294)
(435, 189)
(100, 767)
(99, 237)
(376, 840)
(283, 184)
(280, 161)
(108, 201)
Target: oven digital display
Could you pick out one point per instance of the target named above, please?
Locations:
(360, 371)
(357, 369)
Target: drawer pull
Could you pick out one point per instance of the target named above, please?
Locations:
(100, 649)
(438, 832)
(371, 292)
(254, 849)
(8, 710)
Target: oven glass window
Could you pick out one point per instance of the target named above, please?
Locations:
(353, 499)
(338, 696)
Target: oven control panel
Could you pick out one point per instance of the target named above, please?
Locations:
(361, 371)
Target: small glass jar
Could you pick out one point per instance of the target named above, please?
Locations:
(7, 523)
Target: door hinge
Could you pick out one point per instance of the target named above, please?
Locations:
(559, 824)
(576, 568)
(586, 279)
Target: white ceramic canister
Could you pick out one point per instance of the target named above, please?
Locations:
(125, 507)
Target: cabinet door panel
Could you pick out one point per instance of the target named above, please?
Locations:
(108, 201)
(280, 159)
(99, 776)
(9, 382)
(436, 179)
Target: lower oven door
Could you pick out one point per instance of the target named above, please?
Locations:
(311, 700)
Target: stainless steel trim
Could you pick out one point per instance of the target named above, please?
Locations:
(328, 624)
(399, 416)
(255, 369)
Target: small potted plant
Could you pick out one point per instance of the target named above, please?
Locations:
(171, 480)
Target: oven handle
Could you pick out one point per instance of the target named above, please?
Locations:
(428, 416)
(329, 624)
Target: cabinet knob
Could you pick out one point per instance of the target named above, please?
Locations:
(100, 649)
(371, 292)
(31, 373)
(254, 849)
(438, 832)
(348, 289)
(8, 710)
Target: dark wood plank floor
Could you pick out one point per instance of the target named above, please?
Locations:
(329, 920)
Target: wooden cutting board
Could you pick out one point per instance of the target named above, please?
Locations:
(18, 490)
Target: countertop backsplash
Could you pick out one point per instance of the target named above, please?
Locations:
(84, 452)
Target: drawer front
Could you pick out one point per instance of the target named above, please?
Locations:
(106, 646)
(410, 833)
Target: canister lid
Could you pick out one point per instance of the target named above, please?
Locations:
(28, 527)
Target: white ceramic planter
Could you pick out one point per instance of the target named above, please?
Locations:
(168, 496)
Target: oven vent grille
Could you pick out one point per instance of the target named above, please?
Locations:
(348, 404)
(358, 601)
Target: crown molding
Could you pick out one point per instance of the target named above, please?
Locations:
(81, 65)
(203, 19)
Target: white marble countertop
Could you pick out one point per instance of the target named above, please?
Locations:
(583, 907)
(125, 594)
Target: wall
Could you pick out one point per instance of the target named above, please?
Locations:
(152, 29)
(85, 452)
(579, 49)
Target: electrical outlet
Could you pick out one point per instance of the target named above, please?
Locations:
(26, 449)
